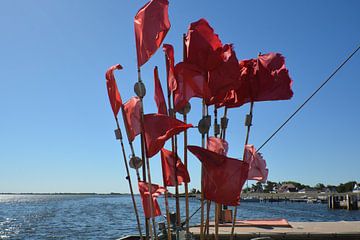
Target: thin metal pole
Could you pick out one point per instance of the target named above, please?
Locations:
(146, 159)
(246, 142)
(217, 205)
(128, 177)
(202, 187)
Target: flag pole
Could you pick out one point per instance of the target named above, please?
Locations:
(248, 123)
(119, 136)
(208, 202)
(202, 187)
(217, 205)
(185, 111)
(140, 92)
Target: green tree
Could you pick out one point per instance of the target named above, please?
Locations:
(319, 186)
(345, 187)
(269, 186)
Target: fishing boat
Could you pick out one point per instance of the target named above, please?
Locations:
(210, 71)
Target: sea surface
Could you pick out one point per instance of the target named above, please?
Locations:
(112, 216)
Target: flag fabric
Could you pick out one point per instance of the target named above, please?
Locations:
(223, 177)
(113, 92)
(156, 191)
(217, 145)
(257, 165)
(158, 129)
(159, 95)
(191, 82)
(263, 79)
(168, 161)
(151, 25)
(170, 66)
(203, 45)
(132, 117)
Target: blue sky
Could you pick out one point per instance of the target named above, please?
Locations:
(56, 124)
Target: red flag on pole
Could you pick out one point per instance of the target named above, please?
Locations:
(257, 165)
(168, 168)
(217, 145)
(170, 66)
(113, 92)
(151, 26)
(158, 129)
(191, 82)
(156, 191)
(132, 117)
(159, 95)
(223, 177)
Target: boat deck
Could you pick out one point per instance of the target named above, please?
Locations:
(295, 230)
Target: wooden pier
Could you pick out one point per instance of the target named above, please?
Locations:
(348, 201)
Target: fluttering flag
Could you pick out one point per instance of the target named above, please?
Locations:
(263, 79)
(191, 82)
(203, 45)
(151, 26)
(217, 145)
(156, 191)
(223, 177)
(257, 165)
(113, 92)
(170, 67)
(168, 161)
(132, 117)
(158, 129)
(159, 94)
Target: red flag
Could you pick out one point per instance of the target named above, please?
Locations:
(203, 45)
(113, 92)
(167, 163)
(170, 66)
(223, 177)
(262, 79)
(159, 95)
(191, 82)
(158, 129)
(132, 117)
(156, 191)
(217, 145)
(257, 165)
(151, 26)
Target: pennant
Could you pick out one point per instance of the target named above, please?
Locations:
(191, 82)
(203, 45)
(257, 165)
(168, 167)
(113, 92)
(151, 26)
(132, 117)
(156, 191)
(159, 95)
(218, 145)
(158, 129)
(170, 67)
(263, 79)
(223, 177)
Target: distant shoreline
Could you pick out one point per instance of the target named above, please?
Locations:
(95, 194)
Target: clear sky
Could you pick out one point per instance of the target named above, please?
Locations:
(56, 124)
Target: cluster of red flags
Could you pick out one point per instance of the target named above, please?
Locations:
(257, 165)
(170, 163)
(146, 197)
(223, 177)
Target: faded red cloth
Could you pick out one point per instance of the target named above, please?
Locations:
(191, 82)
(257, 165)
(132, 117)
(223, 177)
(156, 191)
(170, 66)
(159, 95)
(151, 26)
(113, 92)
(158, 129)
(168, 162)
(218, 145)
(263, 79)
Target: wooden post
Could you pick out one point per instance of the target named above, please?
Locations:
(217, 205)
(128, 176)
(202, 187)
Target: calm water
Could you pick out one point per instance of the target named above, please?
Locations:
(110, 217)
